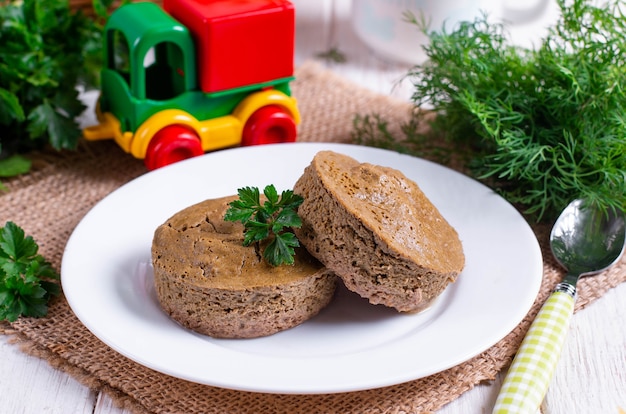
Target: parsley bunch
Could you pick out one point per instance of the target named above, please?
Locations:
(47, 51)
(268, 220)
(25, 276)
(548, 124)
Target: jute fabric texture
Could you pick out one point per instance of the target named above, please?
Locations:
(49, 202)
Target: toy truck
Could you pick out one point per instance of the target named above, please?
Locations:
(195, 76)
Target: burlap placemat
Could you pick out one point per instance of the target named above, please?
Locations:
(50, 202)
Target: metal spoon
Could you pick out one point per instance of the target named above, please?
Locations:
(585, 241)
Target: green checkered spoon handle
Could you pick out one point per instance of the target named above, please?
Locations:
(531, 371)
(586, 240)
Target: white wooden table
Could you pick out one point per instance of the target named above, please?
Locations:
(590, 378)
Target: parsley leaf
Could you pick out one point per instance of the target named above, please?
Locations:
(268, 220)
(280, 248)
(26, 278)
(14, 165)
(10, 108)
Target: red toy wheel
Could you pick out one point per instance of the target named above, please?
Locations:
(172, 144)
(269, 125)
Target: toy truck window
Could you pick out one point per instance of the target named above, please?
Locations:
(119, 54)
(165, 78)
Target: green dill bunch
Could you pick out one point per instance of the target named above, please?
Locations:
(548, 124)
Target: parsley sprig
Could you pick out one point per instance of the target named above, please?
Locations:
(26, 278)
(268, 220)
(47, 50)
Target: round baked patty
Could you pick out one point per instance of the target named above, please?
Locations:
(377, 230)
(209, 282)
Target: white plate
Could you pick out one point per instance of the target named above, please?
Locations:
(351, 345)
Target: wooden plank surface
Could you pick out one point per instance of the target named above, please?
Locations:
(590, 378)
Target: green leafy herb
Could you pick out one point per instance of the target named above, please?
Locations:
(333, 55)
(26, 278)
(47, 51)
(12, 166)
(546, 125)
(268, 220)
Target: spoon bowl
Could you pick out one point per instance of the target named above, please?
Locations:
(585, 240)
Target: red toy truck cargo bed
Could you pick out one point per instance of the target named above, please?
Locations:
(238, 42)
